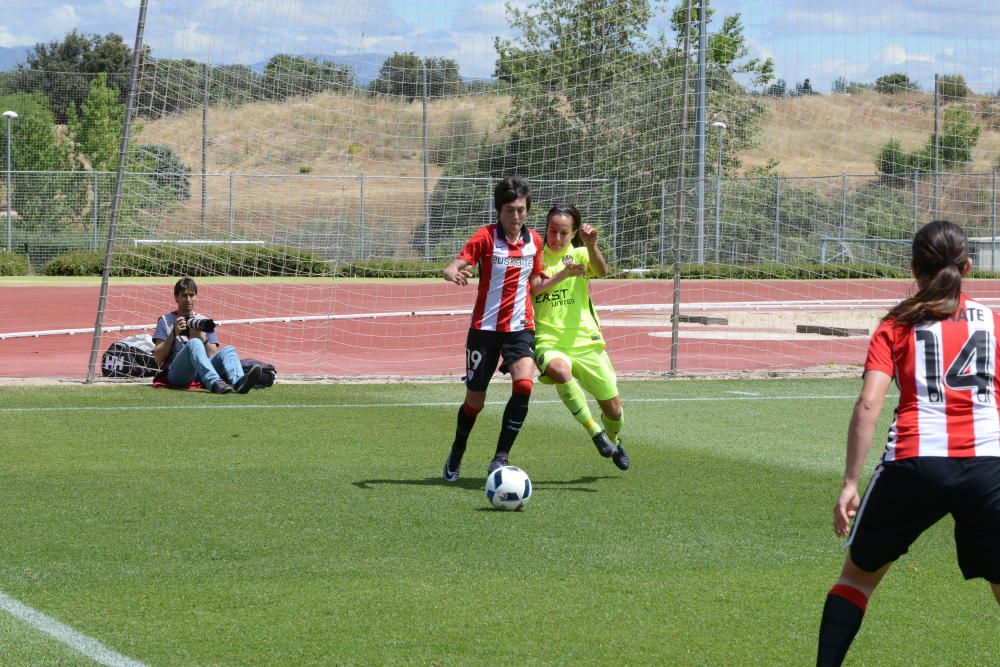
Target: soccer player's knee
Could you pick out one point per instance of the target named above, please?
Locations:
(522, 387)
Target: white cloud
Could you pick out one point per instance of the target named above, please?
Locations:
(487, 17)
(191, 41)
(894, 54)
(62, 19)
(7, 38)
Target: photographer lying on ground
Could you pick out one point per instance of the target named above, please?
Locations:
(187, 347)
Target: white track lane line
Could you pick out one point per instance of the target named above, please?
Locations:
(359, 406)
(91, 648)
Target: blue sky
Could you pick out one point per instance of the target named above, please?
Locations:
(855, 39)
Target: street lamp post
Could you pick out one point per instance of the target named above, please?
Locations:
(718, 188)
(9, 115)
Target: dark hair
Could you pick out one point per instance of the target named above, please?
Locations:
(940, 254)
(565, 209)
(509, 189)
(185, 284)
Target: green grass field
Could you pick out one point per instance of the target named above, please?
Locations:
(308, 525)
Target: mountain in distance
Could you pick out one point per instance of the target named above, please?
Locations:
(12, 56)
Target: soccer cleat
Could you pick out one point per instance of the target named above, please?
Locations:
(451, 474)
(497, 462)
(249, 380)
(221, 387)
(620, 457)
(604, 445)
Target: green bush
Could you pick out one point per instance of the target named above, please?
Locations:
(388, 268)
(76, 263)
(770, 271)
(166, 259)
(13, 265)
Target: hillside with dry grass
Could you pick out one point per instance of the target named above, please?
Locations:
(335, 139)
(823, 135)
(340, 135)
(325, 134)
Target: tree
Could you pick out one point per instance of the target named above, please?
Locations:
(77, 58)
(596, 106)
(952, 87)
(893, 84)
(169, 86)
(402, 75)
(777, 89)
(958, 137)
(45, 203)
(291, 76)
(97, 130)
(804, 88)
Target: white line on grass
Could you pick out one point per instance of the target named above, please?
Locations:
(361, 406)
(91, 648)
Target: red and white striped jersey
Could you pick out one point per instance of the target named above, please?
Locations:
(947, 378)
(503, 299)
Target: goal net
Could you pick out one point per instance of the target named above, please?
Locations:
(316, 164)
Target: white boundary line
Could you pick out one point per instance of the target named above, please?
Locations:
(360, 406)
(91, 648)
(811, 304)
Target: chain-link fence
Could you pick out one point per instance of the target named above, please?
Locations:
(349, 218)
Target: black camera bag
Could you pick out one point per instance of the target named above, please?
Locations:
(130, 357)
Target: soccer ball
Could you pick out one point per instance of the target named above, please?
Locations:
(508, 488)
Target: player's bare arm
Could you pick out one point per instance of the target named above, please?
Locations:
(598, 265)
(859, 440)
(458, 272)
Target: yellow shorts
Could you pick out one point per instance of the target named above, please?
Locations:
(592, 369)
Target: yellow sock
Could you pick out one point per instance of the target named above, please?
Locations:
(573, 398)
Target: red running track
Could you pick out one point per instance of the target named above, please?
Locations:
(413, 346)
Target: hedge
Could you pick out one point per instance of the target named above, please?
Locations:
(12, 264)
(172, 260)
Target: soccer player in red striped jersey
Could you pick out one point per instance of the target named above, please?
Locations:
(509, 257)
(943, 452)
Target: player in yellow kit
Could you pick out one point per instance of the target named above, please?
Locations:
(569, 346)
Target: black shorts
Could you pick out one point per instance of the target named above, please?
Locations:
(483, 350)
(905, 498)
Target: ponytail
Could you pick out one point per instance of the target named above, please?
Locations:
(940, 254)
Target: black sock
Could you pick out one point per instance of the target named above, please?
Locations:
(842, 615)
(466, 420)
(513, 417)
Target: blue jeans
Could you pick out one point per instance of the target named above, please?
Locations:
(193, 362)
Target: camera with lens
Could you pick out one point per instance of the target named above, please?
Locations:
(201, 323)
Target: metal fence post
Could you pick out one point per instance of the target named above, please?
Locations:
(663, 222)
(916, 200)
(96, 214)
(843, 205)
(427, 150)
(361, 215)
(232, 212)
(614, 220)
(993, 224)
(489, 201)
(777, 218)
